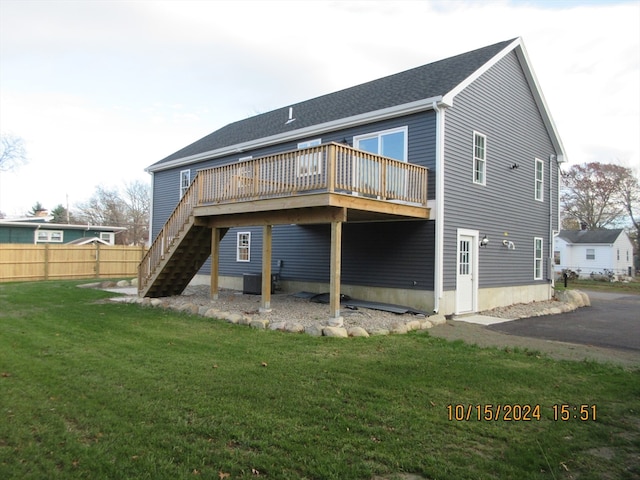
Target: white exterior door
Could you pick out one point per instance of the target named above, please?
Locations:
(467, 264)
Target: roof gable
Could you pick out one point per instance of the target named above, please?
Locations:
(428, 82)
(602, 236)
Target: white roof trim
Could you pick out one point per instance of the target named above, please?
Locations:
(60, 226)
(533, 84)
(368, 117)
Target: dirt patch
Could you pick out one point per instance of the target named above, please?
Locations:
(483, 337)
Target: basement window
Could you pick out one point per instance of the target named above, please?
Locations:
(243, 250)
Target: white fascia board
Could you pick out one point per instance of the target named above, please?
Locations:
(62, 226)
(542, 103)
(518, 46)
(368, 117)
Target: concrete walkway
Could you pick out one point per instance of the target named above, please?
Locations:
(480, 319)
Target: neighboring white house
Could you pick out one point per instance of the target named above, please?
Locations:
(594, 251)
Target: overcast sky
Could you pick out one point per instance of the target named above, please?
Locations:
(99, 90)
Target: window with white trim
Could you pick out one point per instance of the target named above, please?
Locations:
(309, 163)
(49, 236)
(108, 237)
(539, 180)
(391, 143)
(479, 158)
(591, 253)
(537, 258)
(185, 181)
(243, 250)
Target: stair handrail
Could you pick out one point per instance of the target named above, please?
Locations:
(171, 230)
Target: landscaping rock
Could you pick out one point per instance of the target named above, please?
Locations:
(335, 332)
(313, 330)
(357, 332)
(260, 323)
(437, 319)
(123, 283)
(425, 325)
(398, 328)
(212, 313)
(294, 328)
(277, 326)
(156, 302)
(413, 325)
(378, 331)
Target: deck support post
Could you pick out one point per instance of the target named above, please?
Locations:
(215, 261)
(336, 264)
(265, 304)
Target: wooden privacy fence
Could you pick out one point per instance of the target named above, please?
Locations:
(25, 262)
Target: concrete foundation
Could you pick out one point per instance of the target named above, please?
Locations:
(488, 298)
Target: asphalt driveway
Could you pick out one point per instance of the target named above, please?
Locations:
(612, 321)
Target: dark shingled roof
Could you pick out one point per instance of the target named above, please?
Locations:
(428, 81)
(590, 236)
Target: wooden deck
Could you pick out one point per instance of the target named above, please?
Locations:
(330, 183)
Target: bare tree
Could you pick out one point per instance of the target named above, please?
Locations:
(12, 152)
(138, 201)
(129, 209)
(591, 194)
(630, 196)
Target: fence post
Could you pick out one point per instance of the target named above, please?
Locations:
(46, 261)
(97, 260)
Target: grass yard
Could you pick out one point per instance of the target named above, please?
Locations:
(113, 391)
(632, 287)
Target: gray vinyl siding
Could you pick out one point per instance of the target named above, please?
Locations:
(499, 105)
(390, 254)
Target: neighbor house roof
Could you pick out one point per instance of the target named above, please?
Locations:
(602, 236)
(413, 90)
(59, 226)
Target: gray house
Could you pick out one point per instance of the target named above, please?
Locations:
(436, 188)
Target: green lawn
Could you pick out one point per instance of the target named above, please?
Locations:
(588, 284)
(112, 391)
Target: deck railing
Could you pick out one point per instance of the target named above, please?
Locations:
(329, 168)
(325, 168)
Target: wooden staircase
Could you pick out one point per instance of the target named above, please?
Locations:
(177, 253)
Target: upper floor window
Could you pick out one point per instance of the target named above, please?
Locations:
(309, 163)
(185, 181)
(479, 158)
(537, 258)
(243, 251)
(388, 143)
(539, 181)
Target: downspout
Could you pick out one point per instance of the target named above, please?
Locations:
(550, 266)
(438, 275)
(150, 236)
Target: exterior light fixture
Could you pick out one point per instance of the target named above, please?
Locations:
(484, 242)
